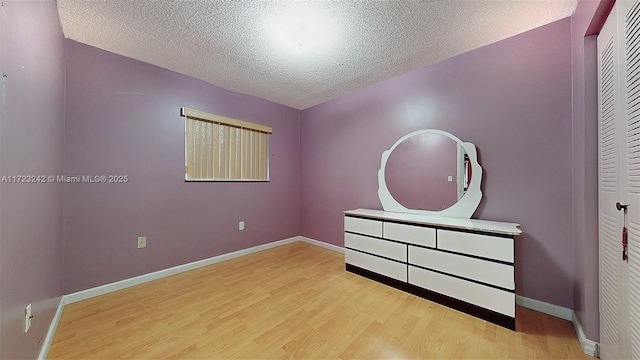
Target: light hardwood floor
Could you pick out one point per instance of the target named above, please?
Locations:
(295, 301)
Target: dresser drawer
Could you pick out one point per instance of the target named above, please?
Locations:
(471, 268)
(491, 247)
(375, 246)
(363, 226)
(500, 301)
(417, 235)
(376, 264)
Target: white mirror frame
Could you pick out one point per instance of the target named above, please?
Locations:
(464, 208)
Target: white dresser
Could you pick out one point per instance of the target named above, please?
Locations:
(465, 264)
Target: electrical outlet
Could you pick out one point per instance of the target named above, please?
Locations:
(27, 318)
(142, 242)
(241, 225)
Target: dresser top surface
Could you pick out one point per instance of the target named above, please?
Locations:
(456, 223)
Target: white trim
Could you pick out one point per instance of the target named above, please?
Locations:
(321, 244)
(46, 344)
(123, 284)
(543, 307)
(589, 347)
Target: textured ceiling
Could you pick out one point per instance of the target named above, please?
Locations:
(299, 53)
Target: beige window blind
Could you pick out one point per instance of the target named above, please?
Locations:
(218, 148)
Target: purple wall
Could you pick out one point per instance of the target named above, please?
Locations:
(123, 119)
(31, 143)
(512, 99)
(585, 169)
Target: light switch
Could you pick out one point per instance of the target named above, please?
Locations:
(450, 178)
(27, 318)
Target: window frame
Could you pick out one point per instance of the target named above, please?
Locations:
(246, 129)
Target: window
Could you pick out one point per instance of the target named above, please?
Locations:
(218, 148)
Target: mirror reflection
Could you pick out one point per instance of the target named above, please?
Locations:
(428, 171)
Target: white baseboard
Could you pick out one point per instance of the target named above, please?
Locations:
(123, 284)
(589, 347)
(321, 244)
(46, 344)
(543, 307)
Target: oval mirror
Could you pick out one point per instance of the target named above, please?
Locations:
(430, 172)
(439, 176)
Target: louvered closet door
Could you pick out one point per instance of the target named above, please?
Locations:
(631, 160)
(619, 180)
